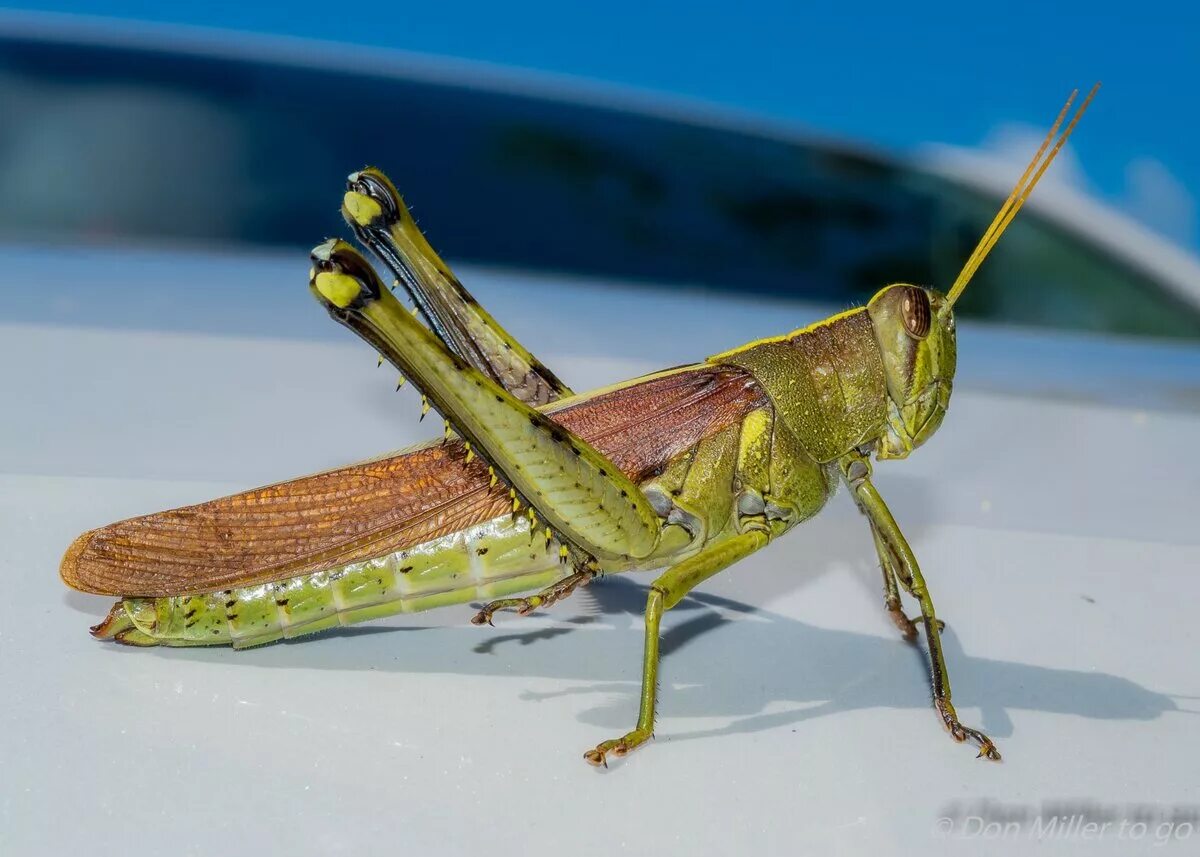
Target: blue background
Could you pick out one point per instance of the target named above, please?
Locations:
(892, 74)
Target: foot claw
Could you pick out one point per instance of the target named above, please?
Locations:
(545, 598)
(960, 733)
(990, 753)
(908, 627)
(619, 747)
(987, 750)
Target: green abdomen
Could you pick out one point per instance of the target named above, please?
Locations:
(485, 562)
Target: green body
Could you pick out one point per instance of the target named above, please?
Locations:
(827, 387)
(870, 382)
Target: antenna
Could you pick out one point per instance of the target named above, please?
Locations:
(1020, 193)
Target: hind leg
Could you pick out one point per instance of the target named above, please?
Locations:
(524, 606)
(383, 223)
(582, 496)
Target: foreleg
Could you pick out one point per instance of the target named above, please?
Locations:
(856, 471)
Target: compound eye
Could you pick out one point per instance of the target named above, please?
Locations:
(916, 312)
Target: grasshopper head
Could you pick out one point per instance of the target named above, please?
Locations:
(914, 328)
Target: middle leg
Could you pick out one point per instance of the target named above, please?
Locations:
(665, 593)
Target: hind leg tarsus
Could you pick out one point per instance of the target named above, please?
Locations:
(553, 593)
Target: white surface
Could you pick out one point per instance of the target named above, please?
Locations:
(1059, 538)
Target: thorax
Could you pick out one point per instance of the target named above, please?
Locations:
(826, 382)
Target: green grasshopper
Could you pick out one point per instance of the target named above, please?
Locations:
(537, 488)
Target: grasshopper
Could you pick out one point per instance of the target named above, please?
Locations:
(535, 488)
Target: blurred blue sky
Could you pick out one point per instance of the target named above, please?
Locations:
(893, 74)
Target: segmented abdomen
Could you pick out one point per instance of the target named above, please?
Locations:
(484, 562)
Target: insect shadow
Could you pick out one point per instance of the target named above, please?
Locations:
(726, 658)
(723, 658)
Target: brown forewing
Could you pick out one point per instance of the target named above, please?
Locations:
(366, 510)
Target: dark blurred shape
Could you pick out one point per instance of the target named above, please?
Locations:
(132, 142)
